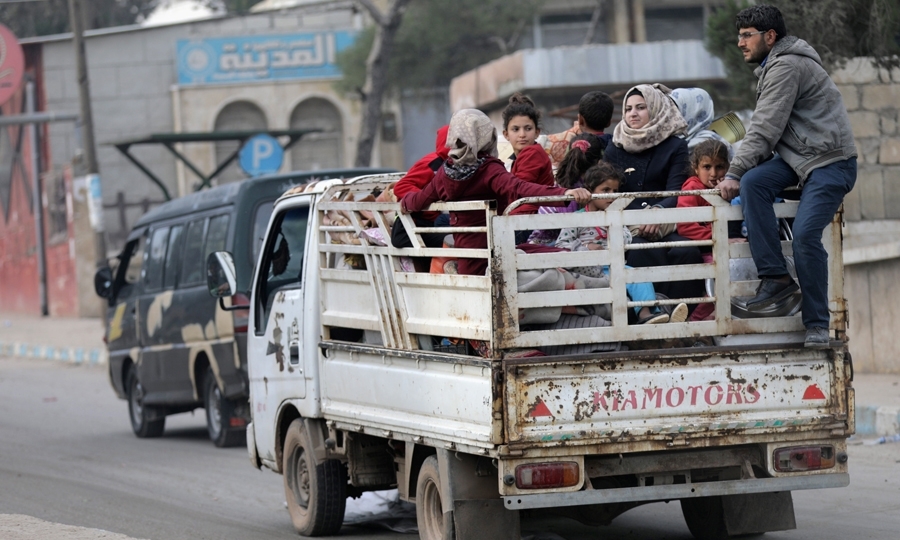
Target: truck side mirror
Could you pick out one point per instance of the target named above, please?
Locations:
(103, 282)
(220, 275)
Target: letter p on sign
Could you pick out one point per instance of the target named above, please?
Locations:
(261, 154)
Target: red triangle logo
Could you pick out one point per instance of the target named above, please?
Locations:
(813, 392)
(539, 409)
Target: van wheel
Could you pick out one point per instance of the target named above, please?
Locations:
(219, 412)
(316, 495)
(429, 504)
(145, 422)
(705, 518)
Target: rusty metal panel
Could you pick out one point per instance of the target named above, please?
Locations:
(684, 395)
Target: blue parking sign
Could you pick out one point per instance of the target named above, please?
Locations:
(261, 154)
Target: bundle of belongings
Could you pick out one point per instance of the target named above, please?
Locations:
(564, 317)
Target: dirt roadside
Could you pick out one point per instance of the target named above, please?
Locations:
(21, 527)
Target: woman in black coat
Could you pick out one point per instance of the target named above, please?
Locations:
(647, 147)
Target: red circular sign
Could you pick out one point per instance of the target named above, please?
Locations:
(12, 64)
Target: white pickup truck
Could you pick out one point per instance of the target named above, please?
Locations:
(366, 374)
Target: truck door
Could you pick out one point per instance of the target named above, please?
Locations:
(277, 369)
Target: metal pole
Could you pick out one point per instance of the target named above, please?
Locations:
(76, 19)
(30, 100)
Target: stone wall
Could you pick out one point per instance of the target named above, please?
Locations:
(872, 215)
(872, 98)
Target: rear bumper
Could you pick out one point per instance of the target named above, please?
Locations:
(677, 491)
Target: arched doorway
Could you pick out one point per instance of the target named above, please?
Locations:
(323, 150)
(237, 116)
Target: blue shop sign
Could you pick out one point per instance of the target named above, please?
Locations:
(261, 58)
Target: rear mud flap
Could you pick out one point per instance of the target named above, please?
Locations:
(477, 519)
(755, 513)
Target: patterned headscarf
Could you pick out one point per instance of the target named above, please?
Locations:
(697, 109)
(665, 120)
(471, 133)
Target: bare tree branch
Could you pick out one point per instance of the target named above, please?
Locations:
(374, 12)
(377, 75)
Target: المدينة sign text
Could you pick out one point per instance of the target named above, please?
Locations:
(259, 58)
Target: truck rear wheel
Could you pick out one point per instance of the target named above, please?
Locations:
(316, 495)
(144, 421)
(219, 412)
(429, 503)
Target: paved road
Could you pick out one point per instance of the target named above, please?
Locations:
(67, 455)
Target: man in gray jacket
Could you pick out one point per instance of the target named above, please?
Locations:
(801, 117)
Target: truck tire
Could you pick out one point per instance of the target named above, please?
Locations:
(316, 495)
(705, 518)
(144, 423)
(219, 411)
(430, 516)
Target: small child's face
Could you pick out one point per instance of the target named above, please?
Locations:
(609, 185)
(711, 171)
(521, 132)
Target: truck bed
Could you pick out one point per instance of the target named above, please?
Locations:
(751, 378)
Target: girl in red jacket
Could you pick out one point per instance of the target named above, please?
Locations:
(709, 163)
(472, 172)
(521, 127)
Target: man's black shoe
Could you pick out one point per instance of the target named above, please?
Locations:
(770, 292)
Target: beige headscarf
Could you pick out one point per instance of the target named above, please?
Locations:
(471, 133)
(665, 120)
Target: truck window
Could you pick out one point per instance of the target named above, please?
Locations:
(173, 256)
(282, 261)
(260, 221)
(192, 264)
(153, 270)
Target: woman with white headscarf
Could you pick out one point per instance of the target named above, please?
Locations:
(473, 173)
(647, 145)
(697, 109)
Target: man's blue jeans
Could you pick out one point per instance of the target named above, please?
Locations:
(822, 195)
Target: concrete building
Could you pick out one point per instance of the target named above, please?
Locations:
(579, 45)
(270, 70)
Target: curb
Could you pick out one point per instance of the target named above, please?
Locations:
(874, 420)
(71, 355)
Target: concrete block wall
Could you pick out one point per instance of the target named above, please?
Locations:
(872, 98)
(872, 216)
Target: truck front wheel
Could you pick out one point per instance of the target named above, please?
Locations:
(432, 522)
(316, 495)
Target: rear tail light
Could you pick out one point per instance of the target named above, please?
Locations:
(547, 475)
(803, 458)
(241, 316)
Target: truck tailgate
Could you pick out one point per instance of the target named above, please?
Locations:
(684, 392)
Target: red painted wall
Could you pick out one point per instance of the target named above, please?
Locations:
(19, 281)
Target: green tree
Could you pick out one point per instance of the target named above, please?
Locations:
(439, 40)
(740, 91)
(27, 19)
(45, 17)
(837, 29)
